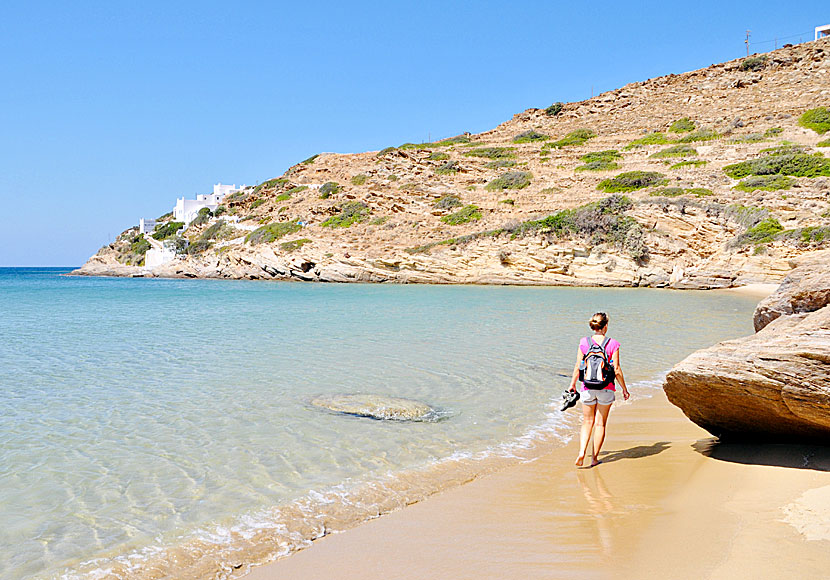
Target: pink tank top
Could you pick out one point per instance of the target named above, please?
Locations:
(610, 349)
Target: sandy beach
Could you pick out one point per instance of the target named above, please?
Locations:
(667, 501)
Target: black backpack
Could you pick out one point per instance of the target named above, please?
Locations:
(596, 371)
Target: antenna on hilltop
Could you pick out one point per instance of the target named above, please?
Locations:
(747, 42)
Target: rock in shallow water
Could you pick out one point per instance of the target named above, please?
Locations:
(376, 407)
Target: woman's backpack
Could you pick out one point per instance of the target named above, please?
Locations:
(596, 371)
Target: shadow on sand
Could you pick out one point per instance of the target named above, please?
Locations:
(634, 453)
(793, 455)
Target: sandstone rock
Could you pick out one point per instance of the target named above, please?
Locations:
(376, 407)
(774, 384)
(805, 289)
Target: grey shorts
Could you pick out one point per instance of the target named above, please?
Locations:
(592, 397)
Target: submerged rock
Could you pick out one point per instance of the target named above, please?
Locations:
(376, 407)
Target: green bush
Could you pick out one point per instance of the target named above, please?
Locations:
(749, 138)
(700, 135)
(379, 221)
(602, 222)
(650, 139)
(297, 189)
(676, 191)
(510, 180)
(198, 246)
(764, 231)
(785, 148)
(493, 152)
(168, 230)
(607, 155)
(167, 216)
(257, 203)
(765, 183)
(438, 156)
(773, 131)
(271, 232)
(530, 137)
(500, 164)
(359, 179)
(508, 201)
(689, 163)
(598, 166)
(796, 164)
(754, 63)
(676, 151)
(202, 217)
(139, 245)
(683, 125)
(270, 184)
(448, 168)
(351, 212)
(310, 160)
(449, 201)
(816, 119)
(383, 152)
(220, 210)
(814, 234)
(631, 181)
(825, 143)
(574, 138)
(554, 109)
(294, 244)
(283, 197)
(458, 140)
(466, 214)
(219, 231)
(328, 189)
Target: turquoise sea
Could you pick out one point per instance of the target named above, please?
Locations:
(166, 423)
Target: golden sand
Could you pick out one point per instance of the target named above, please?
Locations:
(666, 502)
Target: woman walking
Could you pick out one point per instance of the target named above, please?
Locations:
(596, 402)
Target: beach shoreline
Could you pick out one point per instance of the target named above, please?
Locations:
(668, 500)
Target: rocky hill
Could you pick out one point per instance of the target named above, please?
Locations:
(706, 179)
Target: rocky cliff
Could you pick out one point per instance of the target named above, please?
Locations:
(776, 383)
(706, 179)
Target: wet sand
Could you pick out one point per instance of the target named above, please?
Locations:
(667, 501)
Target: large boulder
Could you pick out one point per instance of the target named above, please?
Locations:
(805, 289)
(774, 384)
(376, 407)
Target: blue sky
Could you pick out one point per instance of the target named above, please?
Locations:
(109, 111)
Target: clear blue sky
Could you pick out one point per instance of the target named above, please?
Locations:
(110, 110)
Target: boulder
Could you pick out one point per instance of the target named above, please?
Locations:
(773, 385)
(376, 407)
(805, 289)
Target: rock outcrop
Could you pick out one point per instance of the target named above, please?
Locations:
(775, 384)
(376, 407)
(805, 289)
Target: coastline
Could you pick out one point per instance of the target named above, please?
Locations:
(667, 501)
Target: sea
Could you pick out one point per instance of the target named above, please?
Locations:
(153, 426)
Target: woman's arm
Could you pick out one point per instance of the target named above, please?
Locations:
(575, 376)
(619, 374)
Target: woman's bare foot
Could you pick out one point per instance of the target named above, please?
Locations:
(595, 462)
(579, 461)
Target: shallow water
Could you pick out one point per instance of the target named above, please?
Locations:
(143, 415)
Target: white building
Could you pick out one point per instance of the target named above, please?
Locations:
(186, 210)
(822, 31)
(146, 226)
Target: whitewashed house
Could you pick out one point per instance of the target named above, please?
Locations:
(822, 31)
(146, 226)
(186, 210)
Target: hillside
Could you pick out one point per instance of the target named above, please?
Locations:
(733, 185)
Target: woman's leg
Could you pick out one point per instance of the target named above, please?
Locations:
(585, 433)
(599, 429)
